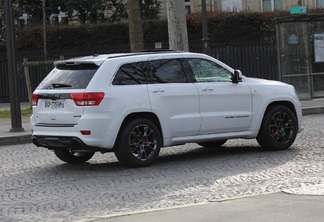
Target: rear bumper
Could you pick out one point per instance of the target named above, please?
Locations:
(70, 143)
(103, 128)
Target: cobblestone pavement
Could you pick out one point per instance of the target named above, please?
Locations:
(36, 186)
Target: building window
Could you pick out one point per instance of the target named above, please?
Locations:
(319, 3)
(231, 5)
(271, 5)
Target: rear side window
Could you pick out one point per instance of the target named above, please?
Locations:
(69, 77)
(131, 74)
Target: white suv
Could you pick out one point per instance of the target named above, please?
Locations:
(133, 104)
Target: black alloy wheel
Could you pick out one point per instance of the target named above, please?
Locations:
(279, 129)
(138, 143)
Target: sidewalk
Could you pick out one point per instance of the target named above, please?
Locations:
(315, 106)
(10, 138)
(7, 137)
(272, 207)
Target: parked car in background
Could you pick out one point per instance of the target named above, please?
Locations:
(133, 104)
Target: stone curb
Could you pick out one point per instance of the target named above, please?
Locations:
(312, 110)
(15, 140)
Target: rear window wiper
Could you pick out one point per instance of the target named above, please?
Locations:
(59, 85)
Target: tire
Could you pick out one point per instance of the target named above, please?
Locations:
(73, 157)
(211, 144)
(278, 129)
(138, 143)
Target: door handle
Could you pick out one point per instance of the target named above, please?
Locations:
(158, 90)
(207, 89)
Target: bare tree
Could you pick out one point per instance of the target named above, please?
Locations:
(135, 25)
(177, 25)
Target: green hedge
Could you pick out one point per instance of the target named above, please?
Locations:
(105, 36)
(61, 37)
(230, 27)
(224, 27)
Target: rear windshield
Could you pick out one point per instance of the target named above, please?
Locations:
(69, 77)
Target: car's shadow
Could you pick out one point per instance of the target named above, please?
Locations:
(189, 157)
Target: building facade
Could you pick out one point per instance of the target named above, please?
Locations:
(253, 5)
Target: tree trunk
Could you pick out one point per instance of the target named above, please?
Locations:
(177, 25)
(44, 30)
(135, 25)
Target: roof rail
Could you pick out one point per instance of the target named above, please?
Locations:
(145, 52)
(160, 50)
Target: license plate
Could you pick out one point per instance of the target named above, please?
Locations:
(54, 104)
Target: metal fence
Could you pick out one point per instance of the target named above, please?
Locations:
(254, 60)
(37, 75)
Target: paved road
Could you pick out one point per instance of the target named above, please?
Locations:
(36, 186)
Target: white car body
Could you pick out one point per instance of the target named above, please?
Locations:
(186, 112)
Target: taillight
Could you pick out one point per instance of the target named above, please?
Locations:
(87, 99)
(35, 99)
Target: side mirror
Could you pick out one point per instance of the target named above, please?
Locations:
(236, 76)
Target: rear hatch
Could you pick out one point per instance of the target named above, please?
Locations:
(60, 98)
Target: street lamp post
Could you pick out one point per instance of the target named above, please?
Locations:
(205, 39)
(12, 68)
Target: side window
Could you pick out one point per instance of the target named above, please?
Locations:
(131, 74)
(208, 71)
(167, 71)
